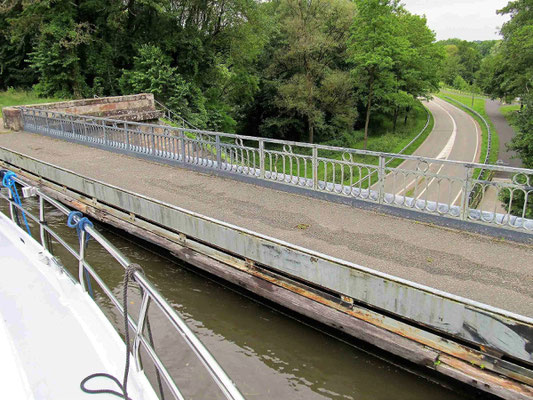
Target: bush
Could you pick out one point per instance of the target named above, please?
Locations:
(459, 83)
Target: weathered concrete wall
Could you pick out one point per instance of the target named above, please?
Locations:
(12, 118)
(137, 107)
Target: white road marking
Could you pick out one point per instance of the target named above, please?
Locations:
(475, 152)
(446, 151)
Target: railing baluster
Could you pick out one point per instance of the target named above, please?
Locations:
(218, 151)
(140, 326)
(381, 179)
(465, 196)
(81, 261)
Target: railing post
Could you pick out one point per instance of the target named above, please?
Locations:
(262, 158)
(23, 114)
(85, 129)
(218, 151)
(315, 167)
(11, 206)
(81, 266)
(42, 223)
(381, 180)
(153, 139)
(140, 326)
(47, 122)
(465, 197)
(182, 139)
(105, 132)
(72, 124)
(61, 128)
(127, 135)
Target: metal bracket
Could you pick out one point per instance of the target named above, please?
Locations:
(29, 191)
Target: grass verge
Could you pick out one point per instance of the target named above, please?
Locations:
(17, 97)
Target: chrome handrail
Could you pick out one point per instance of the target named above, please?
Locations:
(149, 293)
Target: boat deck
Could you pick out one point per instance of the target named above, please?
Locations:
(51, 330)
(485, 269)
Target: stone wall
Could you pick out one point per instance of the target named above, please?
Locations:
(137, 107)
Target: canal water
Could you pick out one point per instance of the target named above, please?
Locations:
(269, 353)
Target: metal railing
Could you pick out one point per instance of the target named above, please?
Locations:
(435, 186)
(150, 295)
(173, 116)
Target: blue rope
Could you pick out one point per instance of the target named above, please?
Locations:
(8, 181)
(81, 225)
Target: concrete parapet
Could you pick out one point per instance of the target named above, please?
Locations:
(12, 118)
(137, 107)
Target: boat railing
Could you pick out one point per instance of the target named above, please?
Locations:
(149, 292)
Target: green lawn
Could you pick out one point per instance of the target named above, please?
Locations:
(448, 90)
(479, 106)
(17, 98)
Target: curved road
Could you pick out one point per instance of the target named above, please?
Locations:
(455, 136)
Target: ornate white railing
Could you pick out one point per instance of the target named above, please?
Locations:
(436, 186)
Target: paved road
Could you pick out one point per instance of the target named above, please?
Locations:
(455, 136)
(505, 133)
(484, 269)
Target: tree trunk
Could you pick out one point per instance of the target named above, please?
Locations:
(395, 120)
(368, 107)
(407, 109)
(311, 130)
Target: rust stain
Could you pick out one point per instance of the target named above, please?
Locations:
(488, 378)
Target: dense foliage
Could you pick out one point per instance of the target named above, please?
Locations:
(281, 68)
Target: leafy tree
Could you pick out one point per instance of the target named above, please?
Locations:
(462, 59)
(522, 143)
(14, 68)
(394, 56)
(152, 72)
(459, 83)
(514, 75)
(375, 47)
(517, 47)
(306, 66)
(417, 72)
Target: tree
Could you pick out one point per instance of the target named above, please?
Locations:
(417, 69)
(394, 57)
(305, 66)
(14, 68)
(517, 47)
(451, 67)
(153, 73)
(375, 46)
(515, 76)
